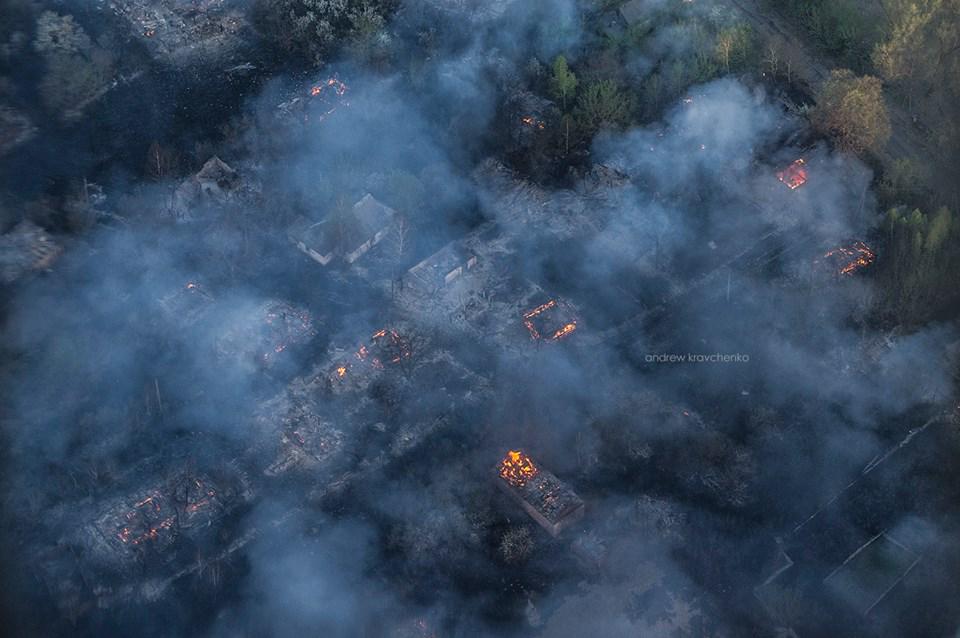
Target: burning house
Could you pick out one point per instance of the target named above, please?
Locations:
(552, 320)
(355, 370)
(25, 248)
(184, 32)
(155, 520)
(848, 258)
(527, 115)
(795, 175)
(315, 102)
(346, 234)
(547, 499)
(272, 328)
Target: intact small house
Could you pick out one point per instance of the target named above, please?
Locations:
(346, 235)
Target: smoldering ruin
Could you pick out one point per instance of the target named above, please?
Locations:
(364, 347)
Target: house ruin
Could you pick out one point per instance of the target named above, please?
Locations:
(184, 32)
(345, 235)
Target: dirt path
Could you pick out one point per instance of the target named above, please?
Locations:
(813, 69)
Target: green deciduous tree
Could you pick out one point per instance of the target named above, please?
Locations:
(902, 54)
(852, 110)
(734, 46)
(564, 82)
(917, 268)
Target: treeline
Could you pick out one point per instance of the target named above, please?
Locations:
(912, 59)
(602, 88)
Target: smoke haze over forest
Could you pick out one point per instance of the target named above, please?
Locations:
(313, 448)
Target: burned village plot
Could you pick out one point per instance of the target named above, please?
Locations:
(450, 318)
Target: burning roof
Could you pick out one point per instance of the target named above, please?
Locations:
(547, 499)
(517, 468)
(317, 101)
(386, 346)
(550, 321)
(848, 258)
(26, 247)
(527, 114)
(795, 175)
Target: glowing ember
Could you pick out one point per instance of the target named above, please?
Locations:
(142, 521)
(540, 325)
(517, 468)
(284, 326)
(333, 85)
(388, 344)
(341, 371)
(565, 330)
(795, 175)
(851, 258)
(532, 122)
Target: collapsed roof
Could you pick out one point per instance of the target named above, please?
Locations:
(346, 234)
(181, 32)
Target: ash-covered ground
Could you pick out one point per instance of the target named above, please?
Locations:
(380, 355)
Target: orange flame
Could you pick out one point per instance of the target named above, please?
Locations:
(517, 468)
(795, 175)
(856, 256)
(565, 330)
(339, 88)
(540, 309)
(533, 122)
